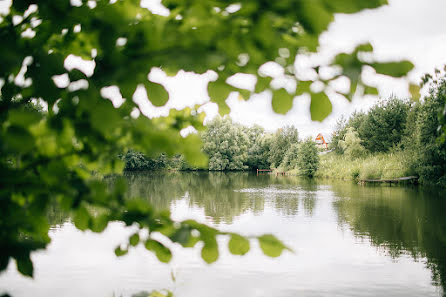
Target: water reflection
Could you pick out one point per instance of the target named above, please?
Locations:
(222, 195)
(349, 241)
(398, 221)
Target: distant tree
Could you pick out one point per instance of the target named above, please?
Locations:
(281, 142)
(426, 151)
(138, 161)
(259, 151)
(226, 144)
(384, 125)
(291, 157)
(338, 134)
(342, 125)
(308, 158)
(351, 144)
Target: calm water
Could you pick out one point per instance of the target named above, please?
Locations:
(348, 240)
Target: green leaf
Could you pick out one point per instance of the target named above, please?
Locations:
(320, 106)
(82, 218)
(303, 87)
(120, 252)
(415, 92)
(134, 239)
(162, 253)
(99, 223)
(365, 47)
(24, 118)
(218, 92)
(209, 252)
(262, 84)
(349, 6)
(369, 90)
(314, 17)
(238, 245)
(282, 101)
(157, 93)
(181, 235)
(24, 265)
(395, 69)
(271, 246)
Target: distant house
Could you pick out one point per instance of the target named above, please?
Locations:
(322, 141)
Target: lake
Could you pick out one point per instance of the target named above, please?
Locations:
(348, 240)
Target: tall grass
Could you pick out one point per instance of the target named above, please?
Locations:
(372, 166)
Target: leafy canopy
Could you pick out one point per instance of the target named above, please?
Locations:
(58, 156)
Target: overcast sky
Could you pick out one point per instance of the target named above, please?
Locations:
(405, 29)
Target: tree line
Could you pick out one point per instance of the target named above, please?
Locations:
(392, 126)
(231, 146)
(410, 128)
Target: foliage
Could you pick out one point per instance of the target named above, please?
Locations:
(423, 142)
(280, 143)
(291, 157)
(401, 222)
(226, 144)
(138, 161)
(308, 158)
(51, 156)
(376, 166)
(341, 127)
(351, 144)
(384, 125)
(258, 154)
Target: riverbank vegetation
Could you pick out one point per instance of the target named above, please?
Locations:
(393, 139)
(231, 146)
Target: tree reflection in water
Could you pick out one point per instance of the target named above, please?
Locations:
(398, 220)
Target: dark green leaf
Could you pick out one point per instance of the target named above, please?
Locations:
(25, 266)
(396, 69)
(157, 93)
(134, 239)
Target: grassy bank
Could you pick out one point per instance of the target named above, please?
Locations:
(372, 166)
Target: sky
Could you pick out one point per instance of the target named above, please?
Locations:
(404, 29)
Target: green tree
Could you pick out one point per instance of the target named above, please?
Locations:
(342, 125)
(226, 144)
(258, 152)
(281, 142)
(308, 158)
(426, 150)
(52, 156)
(291, 157)
(137, 161)
(351, 144)
(383, 126)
